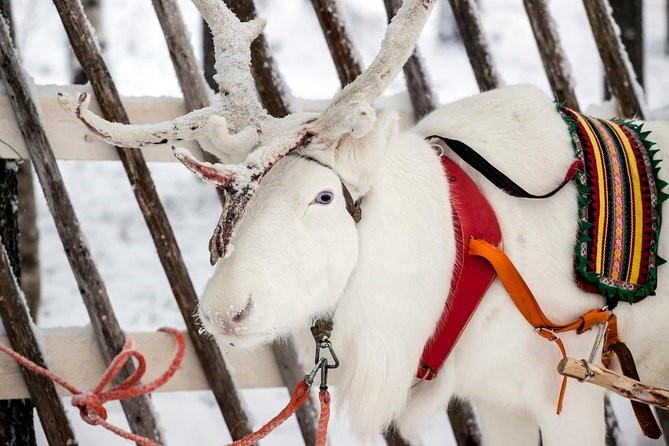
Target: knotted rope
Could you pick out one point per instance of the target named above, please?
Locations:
(92, 411)
(90, 403)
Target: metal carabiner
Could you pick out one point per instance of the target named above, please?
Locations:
(322, 363)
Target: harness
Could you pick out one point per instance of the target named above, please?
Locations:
(521, 295)
(479, 260)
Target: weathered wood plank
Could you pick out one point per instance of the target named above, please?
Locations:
(73, 354)
(16, 421)
(91, 286)
(72, 141)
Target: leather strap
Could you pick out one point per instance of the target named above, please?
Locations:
(522, 297)
(613, 345)
(472, 217)
(495, 176)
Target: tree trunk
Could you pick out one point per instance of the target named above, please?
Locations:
(628, 14)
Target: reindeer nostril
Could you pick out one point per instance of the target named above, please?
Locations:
(244, 313)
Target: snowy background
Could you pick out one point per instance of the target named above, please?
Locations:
(121, 246)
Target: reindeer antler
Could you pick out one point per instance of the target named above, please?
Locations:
(237, 123)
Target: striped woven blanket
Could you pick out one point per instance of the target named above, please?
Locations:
(620, 199)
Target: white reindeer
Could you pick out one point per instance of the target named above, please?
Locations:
(299, 255)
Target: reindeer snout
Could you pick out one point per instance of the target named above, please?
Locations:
(231, 320)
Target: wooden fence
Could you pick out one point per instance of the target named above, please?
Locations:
(36, 128)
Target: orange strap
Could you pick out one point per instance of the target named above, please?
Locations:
(522, 296)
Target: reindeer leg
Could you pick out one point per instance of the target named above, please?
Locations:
(190, 126)
(502, 425)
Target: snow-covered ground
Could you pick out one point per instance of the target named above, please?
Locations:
(119, 240)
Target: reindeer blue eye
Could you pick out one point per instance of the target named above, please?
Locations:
(324, 197)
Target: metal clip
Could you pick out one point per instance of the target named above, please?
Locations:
(322, 363)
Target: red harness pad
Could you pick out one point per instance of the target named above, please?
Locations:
(473, 217)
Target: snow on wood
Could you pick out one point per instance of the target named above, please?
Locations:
(21, 334)
(553, 57)
(467, 16)
(73, 354)
(619, 71)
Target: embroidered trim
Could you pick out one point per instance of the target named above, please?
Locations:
(620, 201)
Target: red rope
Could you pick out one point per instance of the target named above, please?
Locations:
(90, 403)
(92, 411)
(299, 397)
(322, 432)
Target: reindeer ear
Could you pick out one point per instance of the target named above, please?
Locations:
(357, 158)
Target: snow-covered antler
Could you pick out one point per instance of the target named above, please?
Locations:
(190, 126)
(353, 104)
(350, 112)
(238, 123)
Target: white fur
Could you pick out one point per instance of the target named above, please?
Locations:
(388, 277)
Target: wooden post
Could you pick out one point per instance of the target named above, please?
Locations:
(43, 394)
(93, 11)
(420, 92)
(628, 15)
(195, 95)
(552, 55)
(31, 282)
(16, 416)
(467, 18)
(16, 420)
(27, 216)
(338, 40)
(618, 71)
(104, 323)
(84, 46)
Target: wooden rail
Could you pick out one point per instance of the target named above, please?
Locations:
(74, 355)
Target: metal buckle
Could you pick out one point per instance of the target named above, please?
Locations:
(540, 329)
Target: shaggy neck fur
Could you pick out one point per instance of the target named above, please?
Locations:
(380, 348)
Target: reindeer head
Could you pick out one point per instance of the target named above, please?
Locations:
(286, 243)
